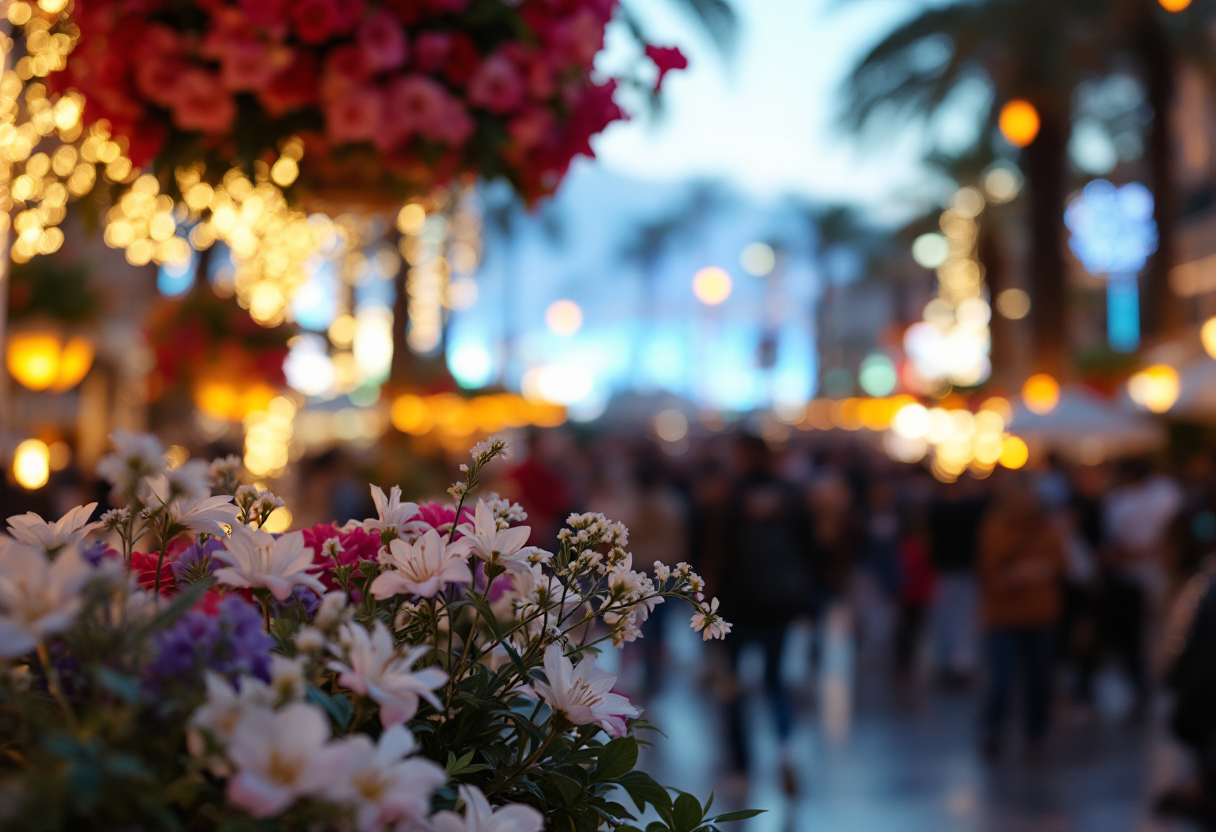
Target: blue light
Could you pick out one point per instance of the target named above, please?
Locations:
(1113, 235)
(316, 301)
(471, 364)
(173, 279)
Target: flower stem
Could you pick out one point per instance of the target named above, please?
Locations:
(52, 683)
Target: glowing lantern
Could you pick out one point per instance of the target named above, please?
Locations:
(1041, 394)
(1208, 336)
(1014, 452)
(32, 464)
(1019, 122)
(1174, 6)
(711, 285)
(1155, 388)
(41, 361)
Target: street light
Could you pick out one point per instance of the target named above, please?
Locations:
(41, 360)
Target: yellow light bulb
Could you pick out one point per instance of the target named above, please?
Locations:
(32, 464)
(711, 285)
(1041, 394)
(1019, 122)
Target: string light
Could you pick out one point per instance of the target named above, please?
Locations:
(1019, 122)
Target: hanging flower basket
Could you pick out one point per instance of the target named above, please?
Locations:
(393, 97)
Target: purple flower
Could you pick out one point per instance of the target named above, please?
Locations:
(308, 600)
(96, 551)
(196, 562)
(230, 643)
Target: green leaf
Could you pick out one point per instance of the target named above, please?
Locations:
(337, 706)
(180, 605)
(686, 813)
(124, 687)
(617, 759)
(643, 789)
(742, 814)
(657, 827)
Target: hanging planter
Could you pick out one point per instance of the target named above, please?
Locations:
(392, 99)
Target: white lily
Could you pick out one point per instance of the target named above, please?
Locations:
(280, 756)
(38, 597)
(376, 670)
(383, 783)
(257, 559)
(136, 456)
(50, 538)
(498, 547)
(206, 515)
(423, 567)
(392, 514)
(582, 695)
(480, 816)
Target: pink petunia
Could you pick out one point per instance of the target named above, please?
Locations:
(497, 85)
(350, 62)
(667, 59)
(382, 42)
(354, 117)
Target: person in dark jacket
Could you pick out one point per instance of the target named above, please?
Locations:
(766, 583)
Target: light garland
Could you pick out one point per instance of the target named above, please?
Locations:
(436, 245)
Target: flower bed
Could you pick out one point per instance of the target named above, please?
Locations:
(420, 670)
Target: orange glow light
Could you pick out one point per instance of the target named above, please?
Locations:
(1174, 6)
(711, 285)
(1019, 122)
(1041, 394)
(1014, 452)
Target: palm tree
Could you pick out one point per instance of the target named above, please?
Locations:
(1040, 51)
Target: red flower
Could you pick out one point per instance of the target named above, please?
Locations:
(294, 88)
(143, 564)
(462, 60)
(497, 85)
(431, 51)
(316, 21)
(382, 42)
(350, 62)
(269, 14)
(355, 116)
(202, 103)
(666, 58)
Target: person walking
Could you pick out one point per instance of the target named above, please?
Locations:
(954, 523)
(766, 584)
(1022, 563)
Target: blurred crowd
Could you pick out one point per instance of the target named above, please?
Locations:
(1030, 587)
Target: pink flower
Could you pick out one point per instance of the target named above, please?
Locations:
(269, 14)
(292, 88)
(431, 51)
(350, 62)
(202, 103)
(576, 40)
(250, 65)
(415, 104)
(456, 126)
(316, 21)
(530, 127)
(157, 74)
(354, 117)
(496, 85)
(382, 42)
(666, 58)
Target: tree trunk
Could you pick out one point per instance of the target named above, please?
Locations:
(1046, 169)
(1163, 315)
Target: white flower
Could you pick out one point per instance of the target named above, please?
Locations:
(376, 670)
(280, 756)
(310, 640)
(287, 677)
(423, 567)
(225, 471)
(218, 717)
(38, 597)
(708, 623)
(582, 695)
(499, 547)
(136, 455)
(70, 530)
(393, 515)
(190, 480)
(479, 816)
(483, 452)
(199, 515)
(333, 606)
(384, 787)
(661, 572)
(256, 559)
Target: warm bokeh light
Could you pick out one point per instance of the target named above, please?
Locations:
(564, 317)
(278, 521)
(1174, 5)
(1041, 394)
(758, 259)
(455, 417)
(1019, 122)
(41, 361)
(711, 285)
(1013, 304)
(32, 464)
(1155, 388)
(1208, 336)
(670, 425)
(1014, 452)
